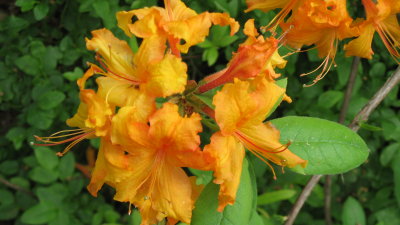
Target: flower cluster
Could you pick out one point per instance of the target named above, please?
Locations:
(144, 145)
(324, 23)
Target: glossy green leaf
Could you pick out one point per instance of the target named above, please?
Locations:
(240, 213)
(28, 64)
(17, 136)
(67, 165)
(353, 212)
(25, 5)
(40, 11)
(50, 99)
(39, 214)
(329, 147)
(389, 153)
(46, 157)
(73, 75)
(275, 196)
(42, 175)
(9, 167)
(330, 98)
(256, 219)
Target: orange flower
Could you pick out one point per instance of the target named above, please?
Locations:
(254, 57)
(176, 22)
(240, 109)
(143, 163)
(267, 5)
(150, 69)
(93, 117)
(322, 23)
(382, 18)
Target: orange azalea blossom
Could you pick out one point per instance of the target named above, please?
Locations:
(151, 70)
(93, 117)
(176, 23)
(322, 23)
(267, 5)
(240, 109)
(381, 18)
(143, 163)
(257, 55)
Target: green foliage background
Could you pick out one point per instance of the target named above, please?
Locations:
(43, 54)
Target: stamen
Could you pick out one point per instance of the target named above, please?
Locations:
(247, 141)
(78, 136)
(103, 64)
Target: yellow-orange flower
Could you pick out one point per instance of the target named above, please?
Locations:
(382, 18)
(254, 57)
(154, 72)
(240, 109)
(322, 23)
(143, 163)
(176, 22)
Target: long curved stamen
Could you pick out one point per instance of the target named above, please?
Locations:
(326, 65)
(389, 41)
(76, 136)
(279, 17)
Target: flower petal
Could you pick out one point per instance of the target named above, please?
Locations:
(229, 154)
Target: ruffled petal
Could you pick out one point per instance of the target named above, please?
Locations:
(245, 103)
(228, 154)
(265, 5)
(361, 46)
(117, 54)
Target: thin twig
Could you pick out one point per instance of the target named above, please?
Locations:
(342, 118)
(14, 186)
(360, 117)
(302, 198)
(349, 89)
(363, 115)
(328, 199)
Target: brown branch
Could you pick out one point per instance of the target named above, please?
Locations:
(349, 89)
(328, 199)
(14, 186)
(302, 198)
(342, 118)
(363, 115)
(360, 117)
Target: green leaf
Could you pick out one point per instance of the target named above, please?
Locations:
(329, 99)
(40, 11)
(8, 212)
(211, 55)
(102, 9)
(240, 213)
(353, 212)
(388, 153)
(6, 197)
(50, 99)
(378, 70)
(17, 136)
(28, 64)
(67, 165)
(39, 214)
(43, 176)
(275, 196)
(51, 57)
(396, 174)
(202, 177)
(25, 5)
(74, 75)
(256, 219)
(9, 167)
(53, 195)
(46, 157)
(329, 147)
